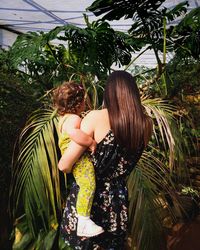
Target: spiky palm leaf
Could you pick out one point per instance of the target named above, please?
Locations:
(163, 114)
(35, 188)
(150, 183)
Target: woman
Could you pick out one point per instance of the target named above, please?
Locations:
(121, 130)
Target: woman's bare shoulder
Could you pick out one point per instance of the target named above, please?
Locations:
(98, 112)
(95, 115)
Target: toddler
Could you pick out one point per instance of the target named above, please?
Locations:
(69, 101)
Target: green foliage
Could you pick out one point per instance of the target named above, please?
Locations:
(17, 101)
(183, 78)
(189, 191)
(147, 189)
(15, 105)
(24, 42)
(99, 46)
(35, 174)
(45, 240)
(148, 21)
(186, 36)
(38, 59)
(91, 50)
(118, 9)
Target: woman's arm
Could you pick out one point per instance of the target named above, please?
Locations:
(74, 150)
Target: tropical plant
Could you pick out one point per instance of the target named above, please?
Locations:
(16, 102)
(156, 178)
(186, 37)
(36, 181)
(156, 28)
(86, 51)
(149, 21)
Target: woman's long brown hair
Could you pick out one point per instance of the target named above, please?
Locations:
(131, 126)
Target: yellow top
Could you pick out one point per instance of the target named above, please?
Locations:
(63, 137)
(63, 141)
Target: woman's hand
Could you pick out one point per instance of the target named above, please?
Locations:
(92, 147)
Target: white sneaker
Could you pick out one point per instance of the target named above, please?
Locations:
(86, 227)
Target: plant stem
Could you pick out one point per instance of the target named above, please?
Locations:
(135, 58)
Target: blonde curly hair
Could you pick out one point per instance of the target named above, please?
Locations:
(68, 97)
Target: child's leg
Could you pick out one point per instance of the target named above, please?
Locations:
(87, 185)
(85, 178)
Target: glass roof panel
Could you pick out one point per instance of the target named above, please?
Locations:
(40, 15)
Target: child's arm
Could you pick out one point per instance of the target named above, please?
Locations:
(74, 150)
(72, 127)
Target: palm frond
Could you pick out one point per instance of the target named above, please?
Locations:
(148, 185)
(35, 177)
(162, 112)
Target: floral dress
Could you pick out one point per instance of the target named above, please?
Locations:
(110, 206)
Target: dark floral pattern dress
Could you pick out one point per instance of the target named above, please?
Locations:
(110, 206)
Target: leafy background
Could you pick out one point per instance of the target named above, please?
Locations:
(170, 93)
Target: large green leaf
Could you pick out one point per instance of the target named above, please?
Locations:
(151, 182)
(186, 35)
(35, 175)
(117, 9)
(149, 19)
(90, 50)
(148, 185)
(162, 112)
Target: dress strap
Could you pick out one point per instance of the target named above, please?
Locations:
(64, 118)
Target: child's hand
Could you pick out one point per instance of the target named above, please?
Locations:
(92, 147)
